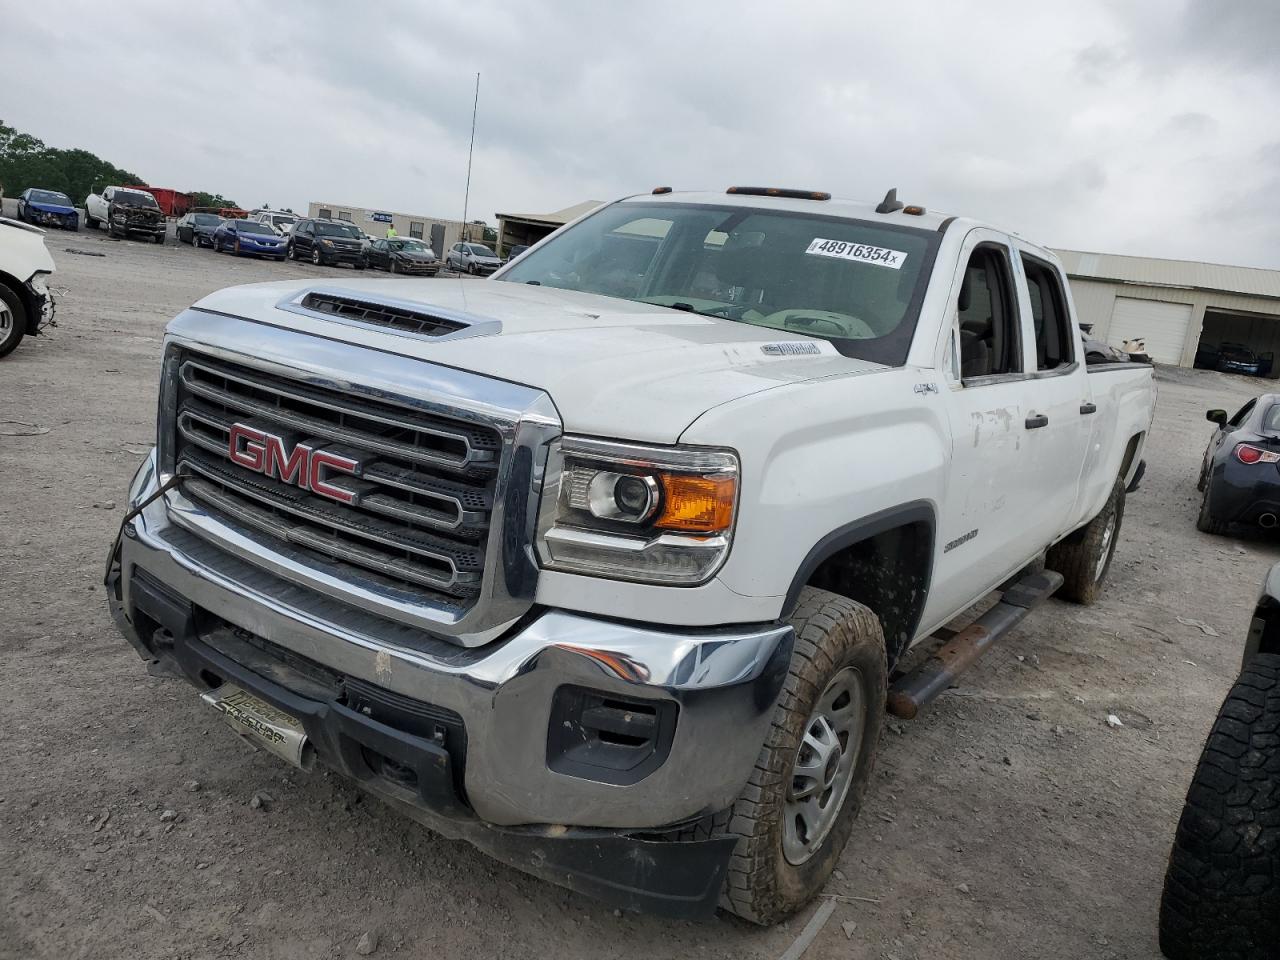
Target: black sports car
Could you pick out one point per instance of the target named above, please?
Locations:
(1222, 890)
(403, 255)
(1240, 475)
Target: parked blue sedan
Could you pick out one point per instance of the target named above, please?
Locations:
(249, 236)
(47, 208)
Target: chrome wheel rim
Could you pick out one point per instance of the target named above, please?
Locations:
(6, 322)
(824, 765)
(1108, 532)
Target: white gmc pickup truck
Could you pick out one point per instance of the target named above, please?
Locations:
(611, 564)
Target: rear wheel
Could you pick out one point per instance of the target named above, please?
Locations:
(13, 320)
(1206, 522)
(1222, 890)
(797, 810)
(1084, 557)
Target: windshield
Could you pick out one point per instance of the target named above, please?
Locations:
(49, 196)
(207, 219)
(411, 246)
(253, 226)
(482, 251)
(855, 283)
(135, 199)
(280, 221)
(336, 230)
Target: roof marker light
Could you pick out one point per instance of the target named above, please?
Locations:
(780, 192)
(661, 189)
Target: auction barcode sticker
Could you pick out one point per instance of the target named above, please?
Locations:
(861, 252)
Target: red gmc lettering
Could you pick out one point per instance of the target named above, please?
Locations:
(246, 449)
(303, 466)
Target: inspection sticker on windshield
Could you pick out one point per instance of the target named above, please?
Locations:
(861, 252)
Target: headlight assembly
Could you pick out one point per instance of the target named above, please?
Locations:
(633, 512)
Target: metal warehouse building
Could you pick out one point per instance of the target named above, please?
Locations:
(529, 228)
(442, 234)
(1185, 311)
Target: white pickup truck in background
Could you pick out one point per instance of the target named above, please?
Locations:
(123, 211)
(603, 564)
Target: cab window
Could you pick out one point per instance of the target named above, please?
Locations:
(988, 315)
(1049, 316)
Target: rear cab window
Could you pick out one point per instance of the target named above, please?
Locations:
(1050, 319)
(857, 284)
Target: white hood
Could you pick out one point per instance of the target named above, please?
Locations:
(614, 368)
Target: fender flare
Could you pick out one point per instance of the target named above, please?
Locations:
(916, 511)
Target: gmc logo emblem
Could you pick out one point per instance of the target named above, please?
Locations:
(302, 466)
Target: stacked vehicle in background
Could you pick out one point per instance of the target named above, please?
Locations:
(474, 258)
(124, 212)
(47, 208)
(325, 242)
(197, 228)
(403, 255)
(249, 237)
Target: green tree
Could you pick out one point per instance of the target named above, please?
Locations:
(200, 198)
(26, 161)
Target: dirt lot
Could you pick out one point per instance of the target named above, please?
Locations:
(1010, 820)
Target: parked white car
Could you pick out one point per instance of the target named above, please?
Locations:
(26, 306)
(629, 539)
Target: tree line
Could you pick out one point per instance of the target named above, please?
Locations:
(27, 161)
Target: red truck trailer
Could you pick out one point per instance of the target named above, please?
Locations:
(173, 203)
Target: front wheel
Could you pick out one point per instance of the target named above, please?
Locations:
(13, 320)
(797, 811)
(1084, 557)
(1222, 890)
(315, 256)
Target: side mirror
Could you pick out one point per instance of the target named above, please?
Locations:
(1216, 416)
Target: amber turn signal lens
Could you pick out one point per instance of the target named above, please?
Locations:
(696, 504)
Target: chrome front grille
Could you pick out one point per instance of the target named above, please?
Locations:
(421, 493)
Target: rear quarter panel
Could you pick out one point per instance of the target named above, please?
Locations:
(1126, 398)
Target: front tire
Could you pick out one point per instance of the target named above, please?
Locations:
(1084, 557)
(315, 256)
(796, 813)
(13, 320)
(1222, 890)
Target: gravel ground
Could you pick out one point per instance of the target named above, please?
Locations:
(1009, 818)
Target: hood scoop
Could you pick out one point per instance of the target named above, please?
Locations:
(389, 315)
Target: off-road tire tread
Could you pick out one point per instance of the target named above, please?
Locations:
(1076, 557)
(1222, 890)
(823, 622)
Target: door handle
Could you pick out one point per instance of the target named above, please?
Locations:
(1088, 408)
(1039, 420)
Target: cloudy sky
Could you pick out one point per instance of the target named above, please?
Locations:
(1145, 127)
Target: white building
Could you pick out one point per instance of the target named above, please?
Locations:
(441, 234)
(1184, 310)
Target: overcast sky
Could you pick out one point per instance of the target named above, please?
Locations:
(1147, 127)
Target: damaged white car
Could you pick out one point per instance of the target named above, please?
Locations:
(26, 306)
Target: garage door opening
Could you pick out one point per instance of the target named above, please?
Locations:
(1244, 343)
(1161, 324)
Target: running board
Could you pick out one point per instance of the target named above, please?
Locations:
(912, 691)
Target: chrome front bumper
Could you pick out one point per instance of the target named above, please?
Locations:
(724, 681)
